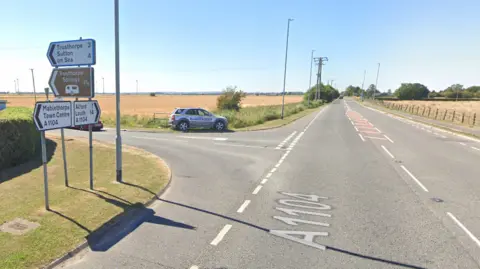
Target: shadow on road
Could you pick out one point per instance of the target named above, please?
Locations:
(24, 168)
(115, 229)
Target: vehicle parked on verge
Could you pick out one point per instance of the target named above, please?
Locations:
(186, 118)
(96, 127)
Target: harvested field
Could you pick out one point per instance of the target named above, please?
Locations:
(459, 106)
(144, 105)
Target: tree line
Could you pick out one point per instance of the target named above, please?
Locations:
(417, 91)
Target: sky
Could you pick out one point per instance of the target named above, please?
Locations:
(206, 45)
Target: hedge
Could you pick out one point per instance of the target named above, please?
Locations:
(19, 139)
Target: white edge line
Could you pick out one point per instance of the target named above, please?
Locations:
(475, 148)
(388, 152)
(243, 206)
(221, 234)
(363, 139)
(273, 170)
(194, 267)
(414, 178)
(268, 175)
(264, 181)
(257, 189)
(356, 129)
(473, 237)
(388, 138)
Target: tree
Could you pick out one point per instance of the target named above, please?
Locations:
(327, 93)
(353, 91)
(231, 98)
(371, 89)
(473, 89)
(411, 91)
(389, 92)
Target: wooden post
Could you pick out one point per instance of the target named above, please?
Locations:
(429, 110)
(453, 116)
(436, 113)
(463, 116)
(445, 115)
(474, 118)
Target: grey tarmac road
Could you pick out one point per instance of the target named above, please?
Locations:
(313, 194)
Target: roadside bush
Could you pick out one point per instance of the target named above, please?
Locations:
(231, 98)
(152, 94)
(19, 139)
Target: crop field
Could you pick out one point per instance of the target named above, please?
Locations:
(144, 105)
(459, 106)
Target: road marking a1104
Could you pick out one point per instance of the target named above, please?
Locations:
(302, 204)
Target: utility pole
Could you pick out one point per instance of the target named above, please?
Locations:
(364, 73)
(310, 79)
(33, 81)
(376, 81)
(118, 139)
(321, 61)
(285, 68)
(103, 81)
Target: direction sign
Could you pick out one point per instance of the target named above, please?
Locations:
(72, 52)
(72, 82)
(85, 112)
(52, 115)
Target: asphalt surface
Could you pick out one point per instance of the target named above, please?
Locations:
(348, 187)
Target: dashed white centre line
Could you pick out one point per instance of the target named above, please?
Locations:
(475, 148)
(257, 189)
(472, 236)
(264, 181)
(388, 138)
(273, 170)
(361, 137)
(414, 178)
(268, 175)
(221, 234)
(388, 152)
(461, 143)
(243, 206)
(194, 267)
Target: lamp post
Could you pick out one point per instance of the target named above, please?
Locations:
(285, 69)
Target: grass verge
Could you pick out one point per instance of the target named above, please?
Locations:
(76, 211)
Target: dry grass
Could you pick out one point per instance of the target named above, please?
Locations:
(144, 105)
(460, 106)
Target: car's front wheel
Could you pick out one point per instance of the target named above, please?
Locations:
(219, 126)
(183, 126)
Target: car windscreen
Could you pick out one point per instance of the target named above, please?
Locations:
(178, 111)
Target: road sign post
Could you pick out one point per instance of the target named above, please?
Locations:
(45, 174)
(73, 82)
(72, 52)
(64, 157)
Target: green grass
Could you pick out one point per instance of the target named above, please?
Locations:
(245, 117)
(20, 113)
(22, 196)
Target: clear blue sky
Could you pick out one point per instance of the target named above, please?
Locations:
(180, 45)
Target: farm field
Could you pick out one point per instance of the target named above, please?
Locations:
(459, 106)
(144, 105)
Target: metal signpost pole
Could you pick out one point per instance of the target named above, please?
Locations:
(117, 97)
(90, 144)
(64, 157)
(45, 174)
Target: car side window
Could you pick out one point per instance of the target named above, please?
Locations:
(202, 112)
(192, 112)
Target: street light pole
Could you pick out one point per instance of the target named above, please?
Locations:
(33, 81)
(310, 80)
(376, 81)
(285, 69)
(118, 139)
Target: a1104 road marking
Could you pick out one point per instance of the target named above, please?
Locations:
(302, 204)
